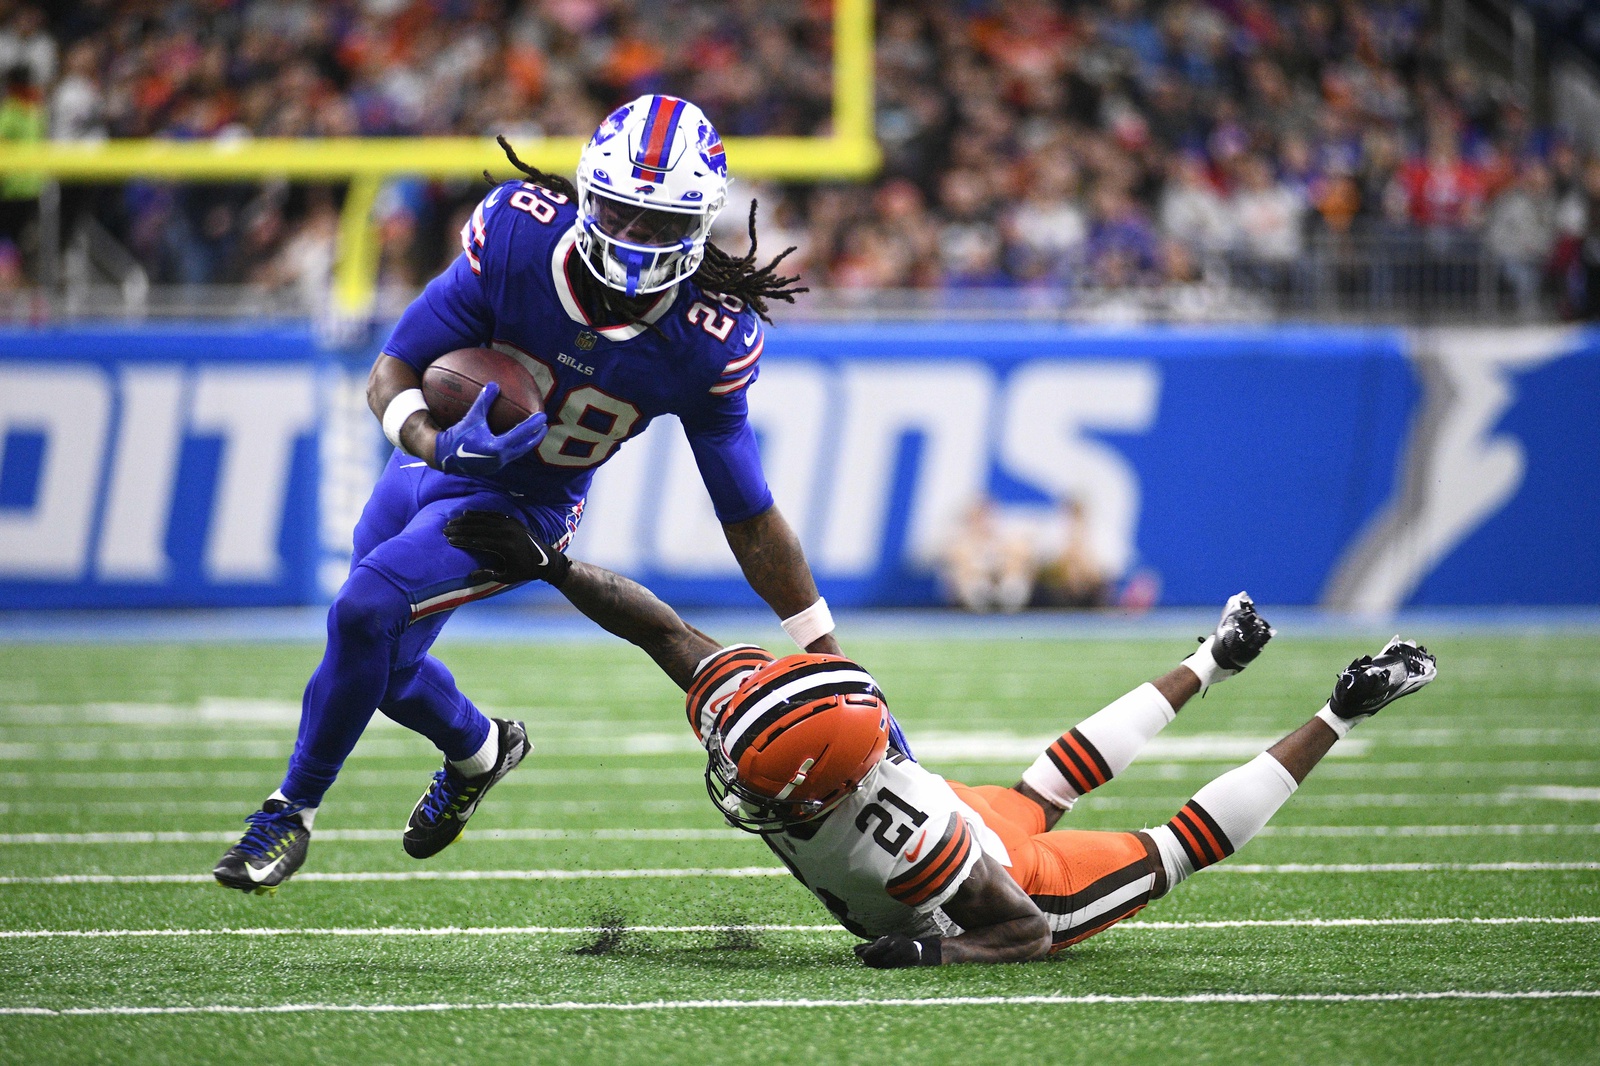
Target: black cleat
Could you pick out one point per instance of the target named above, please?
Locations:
(1370, 683)
(269, 852)
(1240, 635)
(440, 816)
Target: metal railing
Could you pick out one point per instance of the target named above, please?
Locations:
(1405, 277)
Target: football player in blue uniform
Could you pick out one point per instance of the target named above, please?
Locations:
(610, 294)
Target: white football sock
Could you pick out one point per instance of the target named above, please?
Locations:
(482, 760)
(307, 814)
(1204, 665)
(1340, 726)
(1222, 817)
(1099, 747)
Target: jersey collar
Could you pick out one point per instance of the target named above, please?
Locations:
(622, 331)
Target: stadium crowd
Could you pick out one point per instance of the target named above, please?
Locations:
(1029, 143)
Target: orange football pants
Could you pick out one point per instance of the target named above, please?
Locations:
(1083, 880)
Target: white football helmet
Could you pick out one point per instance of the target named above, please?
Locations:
(650, 182)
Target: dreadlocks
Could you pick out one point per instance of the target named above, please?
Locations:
(740, 277)
(719, 272)
(554, 182)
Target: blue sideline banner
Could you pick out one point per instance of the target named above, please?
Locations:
(1361, 468)
(158, 467)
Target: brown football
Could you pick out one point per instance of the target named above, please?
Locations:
(452, 382)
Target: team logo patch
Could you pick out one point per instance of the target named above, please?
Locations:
(586, 341)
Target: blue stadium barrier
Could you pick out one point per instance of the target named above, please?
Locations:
(1360, 468)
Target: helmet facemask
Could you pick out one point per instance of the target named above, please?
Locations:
(745, 808)
(639, 248)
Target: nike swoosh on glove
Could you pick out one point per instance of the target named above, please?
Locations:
(471, 448)
(512, 553)
(897, 950)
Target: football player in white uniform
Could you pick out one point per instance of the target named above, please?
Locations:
(927, 870)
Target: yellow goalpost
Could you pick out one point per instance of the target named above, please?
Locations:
(850, 151)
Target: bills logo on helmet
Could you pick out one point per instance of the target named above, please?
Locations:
(710, 145)
(612, 125)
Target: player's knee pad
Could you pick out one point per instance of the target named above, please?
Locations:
(368, 610)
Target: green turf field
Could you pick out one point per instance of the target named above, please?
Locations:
(1445, 865)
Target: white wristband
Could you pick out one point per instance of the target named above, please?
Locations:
(401, 408)
(1340, 726)
(813, 622)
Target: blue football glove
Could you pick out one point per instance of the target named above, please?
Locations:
(471, 448)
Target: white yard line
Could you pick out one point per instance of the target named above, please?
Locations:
(228, 836)
(1424, 830)
(769, 871)
(631, 775)
(591, 930)
(1198, 998)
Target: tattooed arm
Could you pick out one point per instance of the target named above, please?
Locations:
(769, 553)
(634, 613)
(511, 554)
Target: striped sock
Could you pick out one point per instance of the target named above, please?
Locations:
(1099, 747)
(1222, 817)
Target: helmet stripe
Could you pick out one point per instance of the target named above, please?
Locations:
(814, 681)
(659, 128)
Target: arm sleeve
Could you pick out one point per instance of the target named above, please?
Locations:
(451, 313)
(725, 450)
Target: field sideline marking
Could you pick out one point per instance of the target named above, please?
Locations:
(591, 930)
(228, 836)
(771, 871)
(767, 1004)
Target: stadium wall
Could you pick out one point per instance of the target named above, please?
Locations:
(1360, 468)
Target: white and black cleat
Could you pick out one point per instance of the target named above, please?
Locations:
(1240, 634)
(440, 816)
(1372, 682)
(272, 849)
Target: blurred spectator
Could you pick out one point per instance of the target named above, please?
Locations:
(1191, 209)
(1445, 191)
(1122, 245)
(21, 122)
(987, 566)
(26, 42)
(1069, 575)
(1521, 234)
(1589, 255)
(1047, 230)
(1267, 214)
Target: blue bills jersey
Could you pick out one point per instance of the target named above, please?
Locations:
(695, 354)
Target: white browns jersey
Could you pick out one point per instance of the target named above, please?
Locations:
(892, 853)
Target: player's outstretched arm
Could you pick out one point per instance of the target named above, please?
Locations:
(999, 922)
(774, 564)
(512, 554)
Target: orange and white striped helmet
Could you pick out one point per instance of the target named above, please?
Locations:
(798, 736)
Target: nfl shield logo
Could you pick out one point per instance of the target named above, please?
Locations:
(586, 341)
